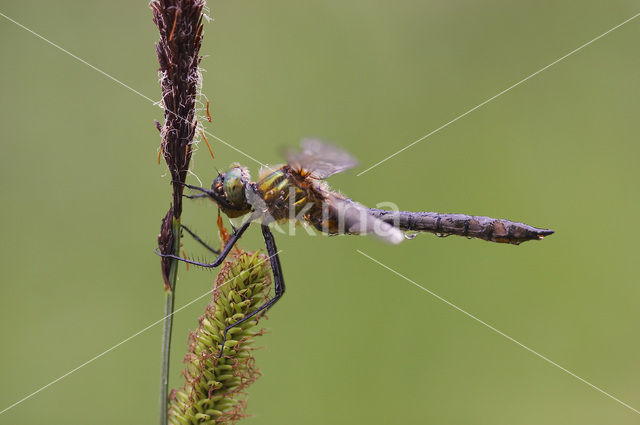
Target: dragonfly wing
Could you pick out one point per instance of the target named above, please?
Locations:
(320, 158)
(355, 218)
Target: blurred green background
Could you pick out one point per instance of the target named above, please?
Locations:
(83, 196)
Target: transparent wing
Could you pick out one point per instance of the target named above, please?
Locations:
(354, 218)
(320, 158)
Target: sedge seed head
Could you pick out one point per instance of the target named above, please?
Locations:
(215, 389)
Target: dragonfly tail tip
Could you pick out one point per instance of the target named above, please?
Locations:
(545, 232)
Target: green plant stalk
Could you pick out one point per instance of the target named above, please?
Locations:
(169, 301)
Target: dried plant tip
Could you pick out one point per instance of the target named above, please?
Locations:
(166, 242)
(180, 25)
(208, 113)
(207, 142)
(184, 255)
(222, 232)
(214, 391)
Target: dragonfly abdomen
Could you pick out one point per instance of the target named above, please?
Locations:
(485, 228)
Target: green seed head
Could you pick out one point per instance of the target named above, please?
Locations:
(214, 391)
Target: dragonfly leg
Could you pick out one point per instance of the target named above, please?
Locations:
(227, 248)
(208, 193)
(278, 281)
(197, 238)
(198, 196)
(205, 192)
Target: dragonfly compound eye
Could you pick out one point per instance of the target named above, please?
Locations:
(234, 185)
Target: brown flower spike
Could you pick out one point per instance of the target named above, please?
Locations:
(166, 243)
(180, 25)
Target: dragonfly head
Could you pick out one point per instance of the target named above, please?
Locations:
(230, 188)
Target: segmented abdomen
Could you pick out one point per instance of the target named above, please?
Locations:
(486, 228)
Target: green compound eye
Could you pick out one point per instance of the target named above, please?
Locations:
(234, 186)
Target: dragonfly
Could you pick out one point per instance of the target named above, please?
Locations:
(297, 192)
